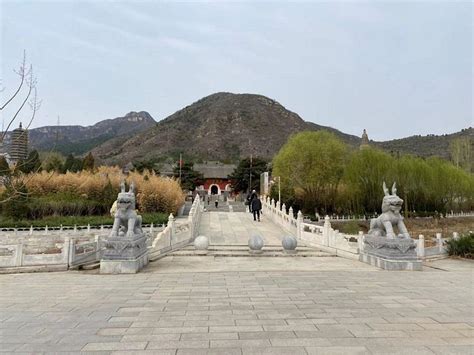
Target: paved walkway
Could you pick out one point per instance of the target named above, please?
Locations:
(207, 305)
(236, 228)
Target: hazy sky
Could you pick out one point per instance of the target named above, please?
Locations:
(395, 68)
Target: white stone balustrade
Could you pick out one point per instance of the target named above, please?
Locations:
(326, 238)
(178, 232)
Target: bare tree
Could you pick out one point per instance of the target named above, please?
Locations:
(26, 90)
(27, 78)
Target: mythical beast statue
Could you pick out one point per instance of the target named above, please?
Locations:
(390, 217)
(126, 220)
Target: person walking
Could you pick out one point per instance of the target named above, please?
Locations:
(217, 202)
(248, 202)
(256, 207)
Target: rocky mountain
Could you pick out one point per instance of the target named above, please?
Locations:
(80, 139)
(221, 126)
(226, 126)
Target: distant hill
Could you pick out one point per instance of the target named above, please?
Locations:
(80, 139)
(222, 126)
(425, 146)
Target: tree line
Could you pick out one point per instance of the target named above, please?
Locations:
(319, 173)
(51, 162)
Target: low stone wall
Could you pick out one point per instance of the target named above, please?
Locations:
(37, 250)
(331, 240)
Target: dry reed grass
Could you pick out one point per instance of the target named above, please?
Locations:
(154, 193)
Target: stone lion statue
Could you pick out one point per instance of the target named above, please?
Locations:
(390, 217)
(126, 220)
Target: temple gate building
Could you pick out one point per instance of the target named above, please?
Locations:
(216, 178)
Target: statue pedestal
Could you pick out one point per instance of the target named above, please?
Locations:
(124, 255)
(390, 254)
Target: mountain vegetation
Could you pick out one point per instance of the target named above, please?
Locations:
(225, 127)
(78, 140)
(221, 126)
(429, 145)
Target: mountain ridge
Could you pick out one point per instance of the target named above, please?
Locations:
(226, 126)
(221, 126)
(77, 139)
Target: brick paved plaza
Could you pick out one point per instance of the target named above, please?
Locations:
(242, 305)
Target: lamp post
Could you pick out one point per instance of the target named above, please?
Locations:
(250, 174)
(279, 187)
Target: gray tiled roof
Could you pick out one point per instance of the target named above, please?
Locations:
(215, 170)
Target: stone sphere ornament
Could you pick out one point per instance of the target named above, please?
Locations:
(256, 244)
(201, 242)
(289, 244)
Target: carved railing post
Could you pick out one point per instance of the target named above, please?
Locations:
(19, 255)
(360, 241)
(67, 251)
(334, 235)
(420, 250)
(326, 230)
(299, 225)
(171, 221)
(439, 242)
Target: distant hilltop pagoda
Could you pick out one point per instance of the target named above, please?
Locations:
(365, 140)
(18, 149)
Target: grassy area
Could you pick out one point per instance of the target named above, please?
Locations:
(56, 221)
(463, 247)
(416, 226)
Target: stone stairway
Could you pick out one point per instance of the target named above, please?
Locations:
(226, 207)
(243, 250)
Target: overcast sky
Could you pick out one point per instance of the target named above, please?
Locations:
(395, 68)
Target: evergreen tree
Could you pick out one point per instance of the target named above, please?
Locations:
(31, 164)
(72, 164)
(4, 167)
(142, 165)
(53, 164)
(190, 178)
(16, 197)
(245, 168)
(89, 162)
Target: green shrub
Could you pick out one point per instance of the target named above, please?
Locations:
(63, 204)
(15, 199)
(463, 247)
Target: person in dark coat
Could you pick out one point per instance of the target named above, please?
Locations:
(248, 202)
(256, 208)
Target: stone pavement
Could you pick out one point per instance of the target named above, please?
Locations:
(207, 305)
(237, 227)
